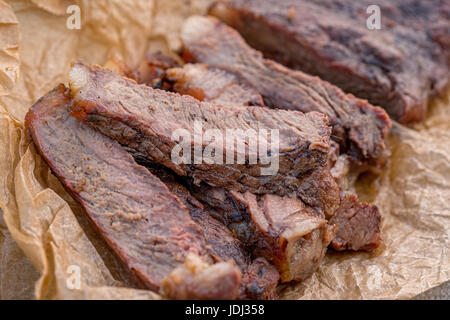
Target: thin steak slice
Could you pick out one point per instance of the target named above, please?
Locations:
(291, 235)
(359, 225)
(148, 227)
(358, 127)
(211, 85)
(146, 120)
(398, 67)
(259, 278)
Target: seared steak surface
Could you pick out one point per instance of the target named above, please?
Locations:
(398, 67)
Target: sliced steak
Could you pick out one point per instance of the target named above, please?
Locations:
(359, 225)
(259, 278)
(148, 227)
(358, 127)
(398, 67)
(196, 80)
(146, 120)
(291, 235)
(212, 85)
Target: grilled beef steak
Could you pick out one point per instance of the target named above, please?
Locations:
(358, 127)
(291, 235)
(193, 79)
(259, 278)
(145, 120)
(148, 227)
(211, 85)
(398, 67)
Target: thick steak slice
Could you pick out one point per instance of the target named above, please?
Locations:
(148, 227)
(291, 235)
(398, 67)
(359, 225)
(259, 278)
(358, 127)
(146, 120)
(212, 85)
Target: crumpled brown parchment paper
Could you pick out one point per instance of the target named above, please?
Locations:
(43, 233)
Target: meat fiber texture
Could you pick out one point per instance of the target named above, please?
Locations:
(259, 277)
(399, 67)
(148, 227)
(281, 229)
(42, 233)
(358, 127)
(145, 120)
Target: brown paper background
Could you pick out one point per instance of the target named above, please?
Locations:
(43, 231)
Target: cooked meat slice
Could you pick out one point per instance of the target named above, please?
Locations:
(398, 67)
(145, 120)
(148, 227)
(291, 235)
(358, 127)
(212, 85)
(359, 225)
(259, 278)
(197, 280)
